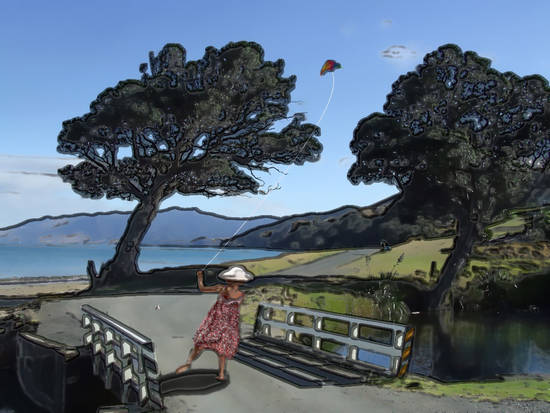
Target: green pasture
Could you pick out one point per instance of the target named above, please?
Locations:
(342, 303)
(414, 266)
(516, 222)
(514, 225)
(509, 262)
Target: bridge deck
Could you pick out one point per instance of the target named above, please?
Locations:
(298, 367)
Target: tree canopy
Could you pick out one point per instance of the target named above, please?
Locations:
(460, 132)
(198, 127)
(460, 127)
(191, 127)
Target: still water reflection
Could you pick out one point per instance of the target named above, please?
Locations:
(480, 346)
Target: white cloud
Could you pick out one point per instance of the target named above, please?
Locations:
(30, 188)
(399, 52)
(346, 161)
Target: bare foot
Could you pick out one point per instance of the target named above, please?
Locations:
(220, 378)
(183, 368)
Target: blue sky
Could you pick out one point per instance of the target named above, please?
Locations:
(57, 56)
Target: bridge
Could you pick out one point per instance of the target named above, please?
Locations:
(168, 332)
(304, 347)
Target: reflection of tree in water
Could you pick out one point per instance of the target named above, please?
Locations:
(468, 347)
(541, 338)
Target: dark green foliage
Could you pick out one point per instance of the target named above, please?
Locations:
(200, 127)
(459, 134)
(193, 128)
(466, 131)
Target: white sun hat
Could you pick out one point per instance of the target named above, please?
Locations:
(237, 274)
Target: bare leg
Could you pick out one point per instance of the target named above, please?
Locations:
(221, 365)
(192, 356)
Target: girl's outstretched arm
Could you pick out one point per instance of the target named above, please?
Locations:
(211, 289)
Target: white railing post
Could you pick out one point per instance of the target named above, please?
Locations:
(125, 349)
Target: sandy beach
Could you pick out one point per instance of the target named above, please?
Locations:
(36, 286)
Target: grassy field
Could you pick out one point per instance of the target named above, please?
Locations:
(509, 262)
(515, 387)
(516, 222)
(358, 305)
(511, 226)
(264, 266)
(415, 265)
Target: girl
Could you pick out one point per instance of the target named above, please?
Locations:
(219, 331)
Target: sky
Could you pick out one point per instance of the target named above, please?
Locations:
(57, 56)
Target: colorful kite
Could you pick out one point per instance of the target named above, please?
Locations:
(330, 66)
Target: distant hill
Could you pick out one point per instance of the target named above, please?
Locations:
(344, 227)
(349, 227)
(182, 227)
(395, 219)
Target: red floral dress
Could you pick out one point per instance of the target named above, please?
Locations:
(219, 331)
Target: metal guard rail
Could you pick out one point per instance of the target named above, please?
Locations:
(390, 358)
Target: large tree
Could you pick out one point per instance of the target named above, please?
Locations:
(458, 133)
(199, 127)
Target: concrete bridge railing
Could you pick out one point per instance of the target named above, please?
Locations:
(119, 348)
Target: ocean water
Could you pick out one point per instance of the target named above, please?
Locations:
(19, 261)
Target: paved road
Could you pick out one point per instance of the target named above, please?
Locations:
(171, 328)
(328, 265)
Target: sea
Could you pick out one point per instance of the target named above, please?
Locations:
(49, 261)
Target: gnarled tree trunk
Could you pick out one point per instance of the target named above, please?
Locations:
(124, 265)
(467, 234)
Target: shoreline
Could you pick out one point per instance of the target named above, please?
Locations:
(35, 287)
(42, 279)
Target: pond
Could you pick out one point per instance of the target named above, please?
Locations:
(469, 346)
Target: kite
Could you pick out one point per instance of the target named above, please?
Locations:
(330, 66)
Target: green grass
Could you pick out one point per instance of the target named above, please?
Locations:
(511, 226)
(264, 266)
(510, 262)
(513, 387)
(415, 266)
(342, 303)
(516, 221)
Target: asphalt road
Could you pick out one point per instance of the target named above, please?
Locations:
(171, 328)
(328, 265)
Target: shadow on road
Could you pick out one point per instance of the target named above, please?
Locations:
(199, 381)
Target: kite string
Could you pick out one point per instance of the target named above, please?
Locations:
(264, 199)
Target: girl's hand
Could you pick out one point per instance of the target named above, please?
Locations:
(203, 288)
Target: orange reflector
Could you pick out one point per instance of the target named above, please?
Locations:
(409, 334)
(403, 370)
(406, 353)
